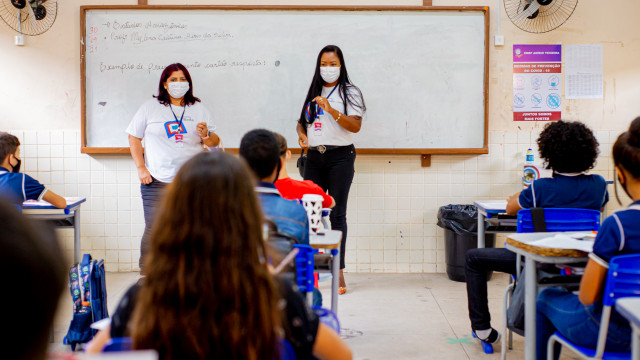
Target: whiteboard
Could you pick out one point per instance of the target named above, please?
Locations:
(422, 73)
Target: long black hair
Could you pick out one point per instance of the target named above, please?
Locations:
(626, 152)
(163, 95)
(343, 81)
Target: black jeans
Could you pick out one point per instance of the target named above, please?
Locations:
(151, 196)
(333, 171)
(477, 263)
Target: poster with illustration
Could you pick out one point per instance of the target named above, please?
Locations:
(537, 75)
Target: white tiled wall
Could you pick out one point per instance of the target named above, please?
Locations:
(391, 212)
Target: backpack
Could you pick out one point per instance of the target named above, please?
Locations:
(89, 297)
(280, 243)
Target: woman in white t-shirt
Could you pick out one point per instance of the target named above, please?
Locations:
(175, 126)
(331, 112)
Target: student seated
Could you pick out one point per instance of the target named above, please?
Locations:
(577, 317)
(208, 293)
(569, 149)
(32, 273)
(18, 187)
(294, 189)
(259, 148)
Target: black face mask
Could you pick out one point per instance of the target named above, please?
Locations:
(16, 168)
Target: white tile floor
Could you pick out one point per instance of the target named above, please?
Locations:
(383, 316)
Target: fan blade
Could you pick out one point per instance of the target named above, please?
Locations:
(533, 7)
(31, 17)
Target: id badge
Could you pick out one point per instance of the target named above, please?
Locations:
(317, 128)
(179, 140)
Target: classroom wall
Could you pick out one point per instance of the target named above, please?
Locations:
(393, 201)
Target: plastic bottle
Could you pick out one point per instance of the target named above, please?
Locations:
(530, 172)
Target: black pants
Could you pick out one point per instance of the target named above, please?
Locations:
(151, 196)
(333, 171)
(478, 262)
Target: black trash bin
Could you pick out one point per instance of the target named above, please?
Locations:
(460, 224)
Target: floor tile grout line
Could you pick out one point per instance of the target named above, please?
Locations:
(447, 319)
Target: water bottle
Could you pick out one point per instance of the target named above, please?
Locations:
(530, 172)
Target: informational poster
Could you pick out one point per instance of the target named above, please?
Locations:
(583, 73)
(537, 75)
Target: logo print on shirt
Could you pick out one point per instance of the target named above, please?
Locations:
(317, 126)
(173, 128)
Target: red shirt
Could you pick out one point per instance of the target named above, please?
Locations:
(294, 189)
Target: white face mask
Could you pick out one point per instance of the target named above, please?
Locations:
(178, 89)
(330, 73)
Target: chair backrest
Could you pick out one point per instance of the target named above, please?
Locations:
(328, 317)
(561, 219)
(286, 350)
(304, 268)
(623, 278)
(117, 344)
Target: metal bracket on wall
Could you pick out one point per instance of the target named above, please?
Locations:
(426, 160)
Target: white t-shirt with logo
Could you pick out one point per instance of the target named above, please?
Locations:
(325, 130)
(166, 145)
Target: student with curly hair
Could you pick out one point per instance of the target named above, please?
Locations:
(577, 316)
(569, 149)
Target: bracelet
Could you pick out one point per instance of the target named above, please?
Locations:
(338, 119)
(206, 137)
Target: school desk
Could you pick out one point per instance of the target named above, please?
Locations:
(486, 210)
(330, 240)
(531, 280)
(630, 309)
(69, 217)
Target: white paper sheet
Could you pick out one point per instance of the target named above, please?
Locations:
(565, 242)
(583, 71)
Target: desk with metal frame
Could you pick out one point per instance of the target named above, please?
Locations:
(486, 210)
(330, 241)
(630, 309)
(42, 210)
(531, 281)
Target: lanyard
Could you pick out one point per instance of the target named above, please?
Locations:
(332, 90)
(175, 117)
(318, 106)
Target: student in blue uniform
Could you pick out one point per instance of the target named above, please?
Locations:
(569, 149)
(18, 187)
(260, 149)
(577, 317)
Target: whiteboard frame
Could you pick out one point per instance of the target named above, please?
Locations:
(435, 151)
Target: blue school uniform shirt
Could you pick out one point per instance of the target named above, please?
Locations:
(566, 190)
(288, 215)
(619, 234)
(19, 187)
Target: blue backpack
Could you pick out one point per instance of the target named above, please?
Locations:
(89, 296)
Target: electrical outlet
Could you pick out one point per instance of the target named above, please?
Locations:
(499, 40)
(19, 40)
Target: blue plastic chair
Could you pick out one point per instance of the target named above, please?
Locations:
(304, 270)
(623, 280)
(118, 344)
(286, 350)
(556, 220)
(561, 219)
(328, 317)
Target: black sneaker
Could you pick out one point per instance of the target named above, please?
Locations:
(493, 337)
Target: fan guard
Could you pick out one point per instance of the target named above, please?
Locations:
(539, 16)
(29, 17)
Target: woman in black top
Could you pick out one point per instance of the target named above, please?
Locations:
(208, 293)
(331, 112)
